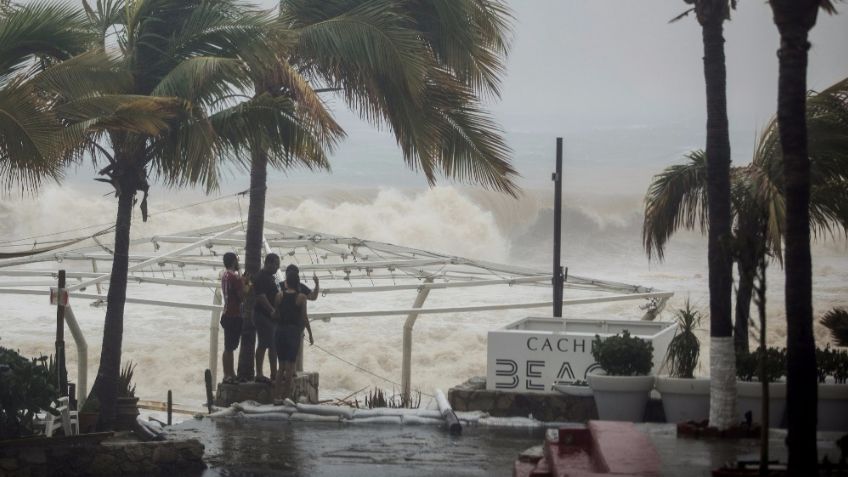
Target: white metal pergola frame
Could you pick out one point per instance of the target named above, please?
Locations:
(328, 254)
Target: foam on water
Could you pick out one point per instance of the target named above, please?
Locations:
(601, 240)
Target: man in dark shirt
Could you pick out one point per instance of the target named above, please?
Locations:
(232, 290)
(265, 287)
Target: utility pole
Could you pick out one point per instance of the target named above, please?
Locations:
(558, 277)
(60, 336)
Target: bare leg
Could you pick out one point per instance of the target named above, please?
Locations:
(272, 360)
(260, 358)
(227, 361)
(288, 371)
(279, 384)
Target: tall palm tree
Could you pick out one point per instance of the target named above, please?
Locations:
(711, 15)
(34, 39)
(181, 64)
(794, 19)
(677, 197)
(417, 67)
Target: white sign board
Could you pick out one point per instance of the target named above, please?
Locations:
(534, 354)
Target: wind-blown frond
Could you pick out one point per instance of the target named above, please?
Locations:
(677, 198)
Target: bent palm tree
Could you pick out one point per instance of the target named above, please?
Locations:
(180, 60)
(33, 39)
(794, 19)
(417, 67)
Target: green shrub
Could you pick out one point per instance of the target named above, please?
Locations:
(25, 389)
(685, 348)
(748, 364)
(830, 362)
(623, 355)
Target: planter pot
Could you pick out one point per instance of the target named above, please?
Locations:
(621, 398)
(572, 390)
(749, 398)
(127, 412)
(683, 399)
(87, 421)
(833, 407)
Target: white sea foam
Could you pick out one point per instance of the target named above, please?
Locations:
(601, 240)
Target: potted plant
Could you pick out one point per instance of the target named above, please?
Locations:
(88, 415)
(833, 390)
(622, 393)
(576, 388)
(684, 397)
(749, 389)
(127, 409)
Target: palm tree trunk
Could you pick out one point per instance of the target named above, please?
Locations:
(253, 258)
(106, 384)
(747, 269)
(722, 356)
(794, 22)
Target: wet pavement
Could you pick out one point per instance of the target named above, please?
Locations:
(252, 447)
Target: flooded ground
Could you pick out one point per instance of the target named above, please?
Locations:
(237, 447)
(251, 447)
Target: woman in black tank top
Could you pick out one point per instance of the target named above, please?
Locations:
(290, 306)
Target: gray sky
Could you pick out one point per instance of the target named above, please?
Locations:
(617, 62)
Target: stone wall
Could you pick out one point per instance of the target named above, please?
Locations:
(73, 456)
(305, 386)
(550, 406)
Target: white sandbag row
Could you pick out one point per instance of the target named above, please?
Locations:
(346, 414)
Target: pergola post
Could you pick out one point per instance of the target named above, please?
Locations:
(213, 335)
(406, 370)
(82, 355)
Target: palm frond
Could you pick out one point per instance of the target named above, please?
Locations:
(676, 198)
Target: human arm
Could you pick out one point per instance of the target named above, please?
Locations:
(264, 303)
(301, 300)
(313, 295)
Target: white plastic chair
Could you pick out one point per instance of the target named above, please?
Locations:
(67, 419)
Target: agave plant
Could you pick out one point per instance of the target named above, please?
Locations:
(685, 348)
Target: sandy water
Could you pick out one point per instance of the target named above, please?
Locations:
(601, 240)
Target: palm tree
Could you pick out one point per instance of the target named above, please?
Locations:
(711, 15)
(794, 19)
(34, 39)
(677, 197)
(181, 65)
(418, 67)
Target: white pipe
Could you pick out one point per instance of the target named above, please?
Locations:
(366, 313)
(213, 337)
(82, 355)
(406, 368)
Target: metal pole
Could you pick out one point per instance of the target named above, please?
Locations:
(60, 337)
(557, 268)
(170, 406)
(406, 368)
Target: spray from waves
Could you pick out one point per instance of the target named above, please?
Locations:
(601, 240)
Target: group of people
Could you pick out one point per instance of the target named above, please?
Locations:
(279, 317)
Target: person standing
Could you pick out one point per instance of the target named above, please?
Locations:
(265, 286)
(232, 289)
(291, 320)
(312, 294)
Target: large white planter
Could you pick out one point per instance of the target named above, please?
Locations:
(685, 399)
(621, 398)
(572, 390)
(535, 354)
(833, 407)
(749, 396)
